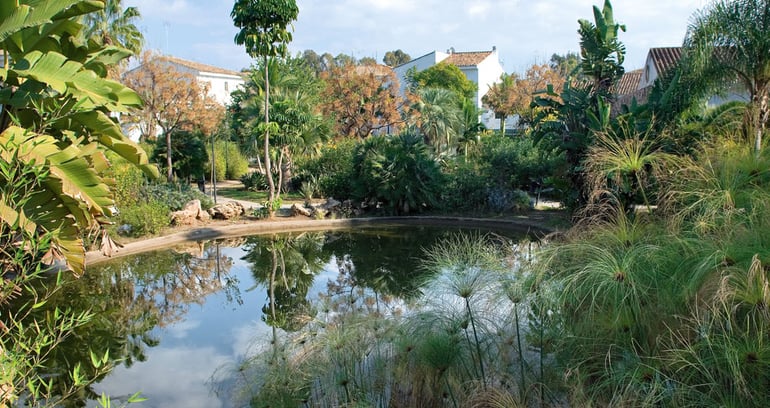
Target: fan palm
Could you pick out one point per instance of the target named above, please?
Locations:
(729, 42)
(438, 116)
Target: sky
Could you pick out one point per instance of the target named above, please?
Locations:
(525, 32)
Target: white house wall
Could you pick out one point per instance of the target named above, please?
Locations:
(420, 64)
(220, 86)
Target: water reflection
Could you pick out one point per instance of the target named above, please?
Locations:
(170, 319)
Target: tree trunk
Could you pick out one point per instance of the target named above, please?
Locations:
(170, 171)
(268, 168)
(502, 125)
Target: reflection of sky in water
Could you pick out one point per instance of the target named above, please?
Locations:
(209, 342)
(211, 337)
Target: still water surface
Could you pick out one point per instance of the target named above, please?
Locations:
(181, 320)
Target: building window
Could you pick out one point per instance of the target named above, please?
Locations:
(227, 87)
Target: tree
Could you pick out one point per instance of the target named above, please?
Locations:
(502, 99)
(263, 31)
(438, 116)
(601, 52)
(367, 61)
(55, 119)
(174, 101)
(114, 25)
(294, 104)
(445, 75)
(396, 58)
(567, 121)
(728, 42)
(362, 100)
(514, 95)
(567, 64)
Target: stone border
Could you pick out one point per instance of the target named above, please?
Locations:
(265, 227)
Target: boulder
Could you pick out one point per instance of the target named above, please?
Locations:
(330, 204)
(297, 209)
(227, 211)
(188, 215)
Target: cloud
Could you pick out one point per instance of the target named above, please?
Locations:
(171, 377)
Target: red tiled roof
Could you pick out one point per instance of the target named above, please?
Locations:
(665, 58)
(628, 83)
(467, 59)
(198, 66)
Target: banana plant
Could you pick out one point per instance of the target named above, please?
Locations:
(58, 113)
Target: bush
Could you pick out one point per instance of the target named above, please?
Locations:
(466, 188)
(145, 218)
(175, 195)
(398, 172)
(254, 181)
(228, 161)
(516, 162)
(503, 200)
(332, 169)
(188, 154)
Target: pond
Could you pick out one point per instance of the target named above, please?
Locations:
(180, 325)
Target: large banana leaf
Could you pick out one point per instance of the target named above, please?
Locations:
(73, 196)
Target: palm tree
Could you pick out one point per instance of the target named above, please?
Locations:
(438, 116)
(729, 41)
(114, 25)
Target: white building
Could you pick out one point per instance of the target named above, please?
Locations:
(482, 68)
(221, 82)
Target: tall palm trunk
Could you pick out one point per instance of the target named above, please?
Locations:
(268, 168)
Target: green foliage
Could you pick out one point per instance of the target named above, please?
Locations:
(56, 102)
(332, 169)
(29, 335)
(446, 76)
(146, 218)
(254, 181)
(601, 52)
(174, 196)
(229, 161)
(668, 309)
(188, 154)
(263, 26)
(465, 187)
(726, 44)
(399, 173)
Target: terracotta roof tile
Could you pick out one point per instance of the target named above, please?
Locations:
(198, 66)
(628, 83)
(467, 59)
(665, 58)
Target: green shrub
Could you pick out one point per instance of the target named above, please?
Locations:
(516, 161)
(188, 154)
(175, 195)
(254, 181)
(466, 188)
(229, 161)
(397, 172)
(332, 169)
(147, 218)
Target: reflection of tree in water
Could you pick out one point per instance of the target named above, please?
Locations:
(379, 258)
(128, 298)
(287, 265)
